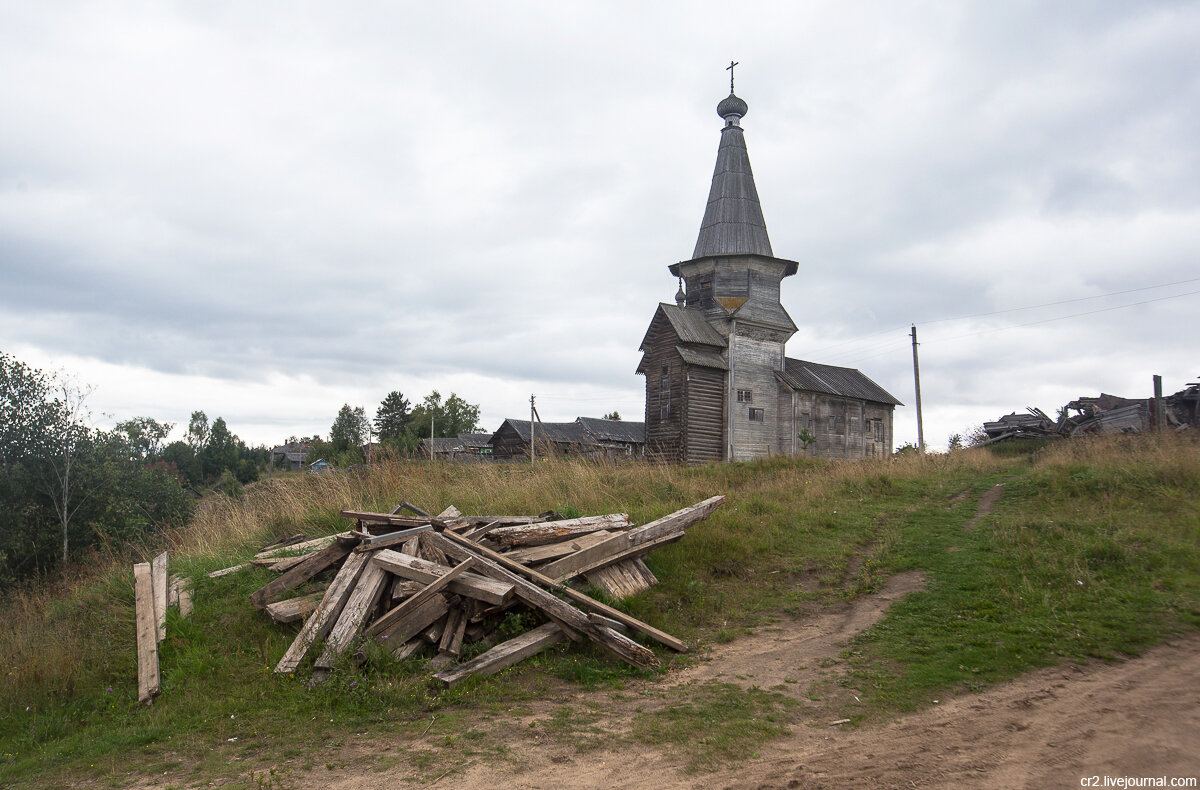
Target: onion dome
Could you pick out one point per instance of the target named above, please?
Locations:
(680, 296)
(731, 105)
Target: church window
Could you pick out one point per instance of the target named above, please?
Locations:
(756, 415)
(832, 424)
(853, 426)
(745, 396)
(879, 430)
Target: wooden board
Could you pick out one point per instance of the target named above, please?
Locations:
(678, 521)
(294, 609)
(504, 655)
(554, 531)
(158, 581)
(452, 636)
(149, 680)
(417, 620)
(567, 616)
(297, 549)
(310, 567)
(227, 571)
(471, 585)
(366, 592)
(412, 602)
(321, 620)
(583, 600)
(623, 579)
(539, 554)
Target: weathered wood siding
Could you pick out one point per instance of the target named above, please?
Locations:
(754, 363)
(705, 417)
(664, 371)
(845, 428)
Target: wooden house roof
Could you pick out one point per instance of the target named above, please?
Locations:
(832, 380)
(689, 326)
(614, 430)
(559, 432)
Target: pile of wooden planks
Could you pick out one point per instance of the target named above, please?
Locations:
(410, 581)
(154, 592)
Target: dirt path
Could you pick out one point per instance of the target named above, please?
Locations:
(1049, 728)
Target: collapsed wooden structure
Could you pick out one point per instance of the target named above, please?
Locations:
(407, 581)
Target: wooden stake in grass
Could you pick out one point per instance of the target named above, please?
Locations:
(149, 680)
(158, 585)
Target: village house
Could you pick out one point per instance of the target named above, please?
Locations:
(718, 383)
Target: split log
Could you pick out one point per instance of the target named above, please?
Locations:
(561, 612)
(472, 585)
(149, 680)
(158, 582)
(503, 655)
(539, 554)
(294, 609)
(412, 602)
(583, 600)
(431, 553)
(310, 567)
(366, 592)
(554, 531)
(319, 622)
(678, 521)
(402, 588)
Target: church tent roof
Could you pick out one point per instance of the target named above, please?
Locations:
(833, 380)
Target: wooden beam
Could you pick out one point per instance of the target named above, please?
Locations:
(227, 571)
(471, 585)
(554, 531)
(360, 602)
(149, 680)
(539, 554)
(319, 622)
(297, 549)
(583, 600)
(624, 554)
(310, 567)
(158, 581)
(452, 637)
(413, 601)
(561, 612)
(503, 655)
(294, 609)
(403, 629)
(399, 537)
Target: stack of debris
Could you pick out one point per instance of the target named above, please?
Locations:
(1105, 414)
(407, 581)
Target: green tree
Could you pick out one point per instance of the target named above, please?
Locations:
(392, 417)
(349, 429)
(143, 436)
(449, 418)
(613, 415)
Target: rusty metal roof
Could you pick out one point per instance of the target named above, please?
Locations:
(832, 380)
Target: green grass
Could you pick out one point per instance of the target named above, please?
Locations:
(1092, 551)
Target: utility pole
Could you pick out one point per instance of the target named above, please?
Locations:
(917, 380)
(532, 429)
(1157, 415)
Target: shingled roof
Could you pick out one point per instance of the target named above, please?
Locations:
(689, 325)
(733, 221)
(832, 380)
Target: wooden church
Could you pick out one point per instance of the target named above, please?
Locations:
(718, 383)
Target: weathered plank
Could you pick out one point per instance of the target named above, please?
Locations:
(227, 571)
(554, 531)
(503, 655)
(583, 600)
(452, 637)
(623, 579)
(158, 581)
(539, 554)
(297, 549)
(293, 609)
(185, 597)
(365, 518)
(310, 567)
(420, 617)
(149, 680)
(319, 622)
(413, 601)
(678, 521)
(471, 585)
(366, 592)
(561, 612)
(387, 540)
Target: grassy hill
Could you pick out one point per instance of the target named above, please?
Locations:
(1093, 550)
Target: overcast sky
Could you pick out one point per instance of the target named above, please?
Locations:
(265, 210)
